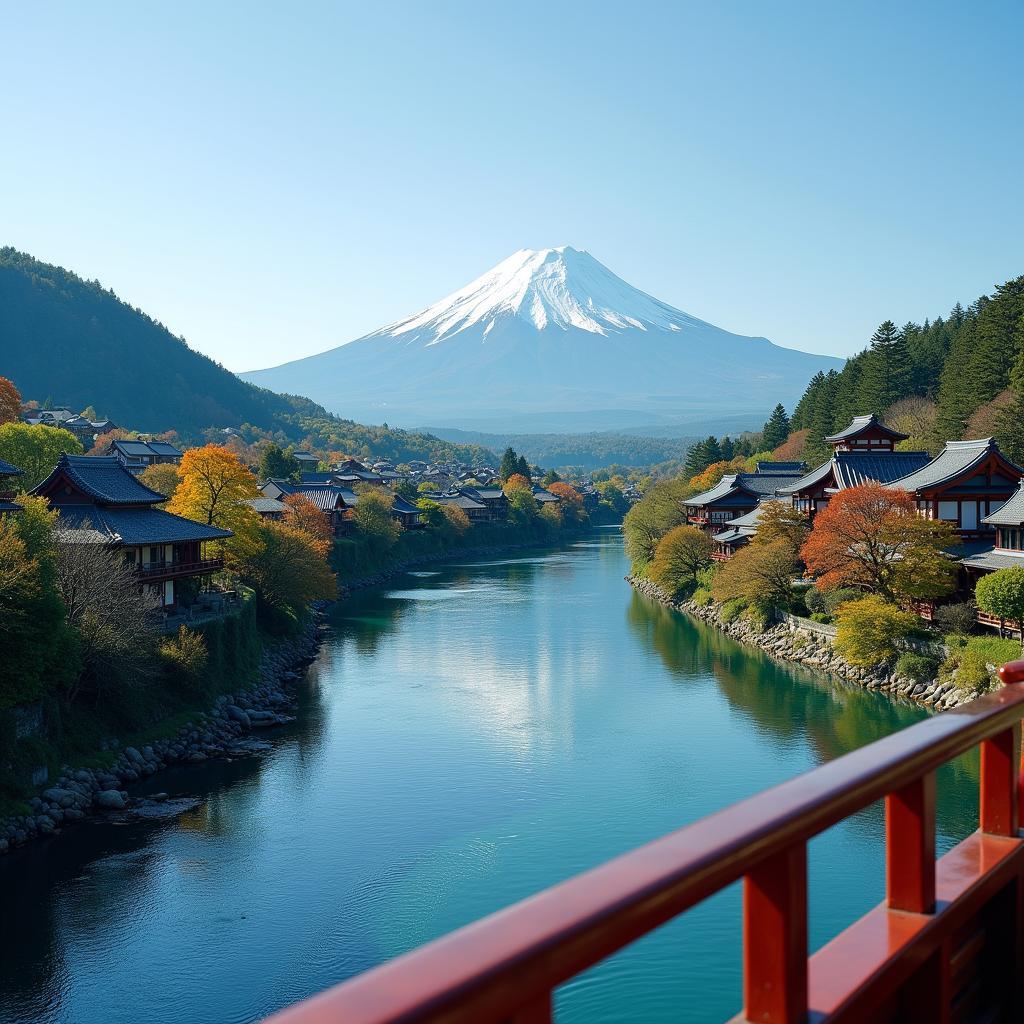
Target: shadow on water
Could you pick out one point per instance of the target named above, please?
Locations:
(111, 867)
(793, 702)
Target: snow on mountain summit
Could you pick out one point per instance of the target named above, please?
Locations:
(561, 287)
(548, 338)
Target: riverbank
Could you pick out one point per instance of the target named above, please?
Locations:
(225, 731)
(787, 642)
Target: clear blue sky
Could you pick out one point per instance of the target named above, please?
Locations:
(270, 180)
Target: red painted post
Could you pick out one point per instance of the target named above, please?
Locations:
(1000, 771)
(910, 847)
(775, 939)
(1010, 673)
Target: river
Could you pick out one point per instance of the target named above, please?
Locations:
(466, 737)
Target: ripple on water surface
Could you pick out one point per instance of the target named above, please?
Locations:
(461, 743)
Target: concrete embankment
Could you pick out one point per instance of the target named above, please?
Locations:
(788, 642)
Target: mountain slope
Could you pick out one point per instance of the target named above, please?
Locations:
(546, 339)
(78, 343)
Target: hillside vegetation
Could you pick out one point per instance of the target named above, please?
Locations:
(77, 343)
(944, 380)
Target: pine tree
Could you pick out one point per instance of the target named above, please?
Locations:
(728, 449)
(776, 430)
(804, 410)
(823, 420)
(523, 467)
(886, 376)
(509, 464)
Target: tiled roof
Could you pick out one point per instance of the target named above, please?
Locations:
(543, 495)
(165, 448)
(325, 498)
(103, 478)
(1012, 513)
(956, 458)
(852, 469)
(459, 500)
(749, 520)
(403, 506)
(267, 505)
(133, 526)
(992, 560)
(758, 485)
(856, 468)
(144, 449)
(6, 469)
(861, 423)
(786, 468)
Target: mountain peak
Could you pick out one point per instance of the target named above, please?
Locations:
(561, 287)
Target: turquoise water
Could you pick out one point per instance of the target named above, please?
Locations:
(466, 738)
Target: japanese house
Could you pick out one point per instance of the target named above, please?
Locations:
(739, 493)
(100, 502)
(135, 456)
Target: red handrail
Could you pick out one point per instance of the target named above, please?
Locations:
(505, 967)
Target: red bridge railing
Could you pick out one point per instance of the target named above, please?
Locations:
(946, 945)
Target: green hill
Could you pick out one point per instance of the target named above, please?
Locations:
(76, 342)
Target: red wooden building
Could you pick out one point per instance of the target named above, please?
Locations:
(963, 485)
(739, 493)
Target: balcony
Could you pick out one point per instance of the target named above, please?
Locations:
(946, 943)
(152, 572)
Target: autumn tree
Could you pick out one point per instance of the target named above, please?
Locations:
(1001, 593)
(570, 500)
(871, 537)
(161, 477)
(10, 401)
(38, 648)
(761, 572)
(455, 519)
(35, 450)
(372, 518)
(679, 556)
(662, 507)
(305, 516)
(869, 629)
(288, 570)
(215, 489)
(778, 520)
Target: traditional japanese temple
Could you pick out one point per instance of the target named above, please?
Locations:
(863, 453)
(739, 493)
(963, 485)
(100, 502)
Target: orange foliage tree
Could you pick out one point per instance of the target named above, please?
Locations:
(571, 500)
(305, 516)
(872, 537)
(216, 489)
(517, 482)
(10, 401)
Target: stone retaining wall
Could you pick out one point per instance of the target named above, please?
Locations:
(792, 640)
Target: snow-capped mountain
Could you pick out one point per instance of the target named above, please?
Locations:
(548, 339)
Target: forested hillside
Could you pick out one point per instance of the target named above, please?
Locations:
(945, 379)
(77, 343)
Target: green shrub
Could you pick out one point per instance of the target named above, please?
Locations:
(869, 628)
(842, 595)
(814, 599)
(760, 615)
(184, 656)
(970, 662)
(706, 577)
(701, 597)
(823, 617)
(956, 618)
(918, 667)
(732, 610)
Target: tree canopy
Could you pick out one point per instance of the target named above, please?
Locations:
(35, 450)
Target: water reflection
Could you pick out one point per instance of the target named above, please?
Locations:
(464, 739)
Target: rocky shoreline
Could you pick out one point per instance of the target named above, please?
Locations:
(789, 643)
(225, 731)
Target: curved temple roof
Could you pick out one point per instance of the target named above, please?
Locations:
(103, 478)
(956, 458)
(861, 423)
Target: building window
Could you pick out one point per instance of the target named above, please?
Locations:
(948, 511)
